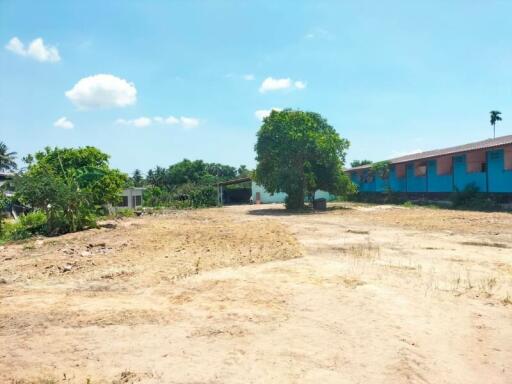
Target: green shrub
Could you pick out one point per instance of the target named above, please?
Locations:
(471, 198)
(14, 230)
(125, 212)
(188, 195)
(34, 222)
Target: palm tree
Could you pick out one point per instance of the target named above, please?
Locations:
(7, 162)
(137, 178)
(495, 116)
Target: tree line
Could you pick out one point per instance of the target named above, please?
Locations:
(66, 189)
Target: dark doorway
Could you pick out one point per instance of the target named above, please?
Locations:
(236, 195)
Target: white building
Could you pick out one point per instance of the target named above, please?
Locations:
(132, 198)
(260, 194)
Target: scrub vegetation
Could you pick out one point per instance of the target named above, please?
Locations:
(187, 184)
(68, 189)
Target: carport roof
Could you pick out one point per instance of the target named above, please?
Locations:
(234, 181)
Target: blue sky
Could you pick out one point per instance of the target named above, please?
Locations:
(185, 79)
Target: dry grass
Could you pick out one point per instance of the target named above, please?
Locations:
(368, 250)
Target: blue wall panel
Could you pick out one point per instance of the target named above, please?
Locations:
(462, 178)
(415, 183)
(367, 187)
(396, 184)
(500, 180)
(380, 184)
(438, 183)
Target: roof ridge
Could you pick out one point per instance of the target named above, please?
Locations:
(477, 145)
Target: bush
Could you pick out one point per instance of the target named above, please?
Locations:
(471, 198)
(14, 230)
(34, 222)
(188, 195)
(125, 212)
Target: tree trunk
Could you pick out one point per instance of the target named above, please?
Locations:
(295, 200)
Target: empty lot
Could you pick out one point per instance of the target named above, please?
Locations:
(252, 294)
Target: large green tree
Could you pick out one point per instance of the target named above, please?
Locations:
(7, 158)
(299, 152)
(69, 185)
(87, 166)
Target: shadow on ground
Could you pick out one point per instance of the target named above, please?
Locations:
(283, 212)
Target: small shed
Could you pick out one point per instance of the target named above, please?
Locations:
(132, 198)
(239, 195)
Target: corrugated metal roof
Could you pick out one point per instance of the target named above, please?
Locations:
(235, 181)
(485, 144)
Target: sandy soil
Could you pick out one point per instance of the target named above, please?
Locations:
(358, 294)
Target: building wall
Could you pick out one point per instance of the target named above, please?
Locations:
(414, 183)
(490, 171)
(397, 178)
(462, 178)
(437, 182)
(500, 178)
(268, 198)
(130, 193)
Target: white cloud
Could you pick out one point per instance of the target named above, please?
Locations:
(184, 122)
(299, 84)
(102, 91)
(189, 122)
(15, 45)
(271, 84)
(63, 122)
(171, 120)
(262, 113)
(138, 122)
(36, 50)
(249, 77)
(319, 33)
(142, 122)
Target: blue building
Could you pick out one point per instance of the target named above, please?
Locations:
(486, 164)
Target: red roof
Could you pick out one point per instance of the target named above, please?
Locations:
(485, 144)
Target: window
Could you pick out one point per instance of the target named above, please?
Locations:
(138, 200)
(444, 165)
(400, 171)
(420, 169)
(476, 161)
(508, 158)
(124, 201)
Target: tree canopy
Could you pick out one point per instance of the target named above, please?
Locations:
(192, 172)
(69, 184)
(298, 153)
(7, 158)
(358, 163)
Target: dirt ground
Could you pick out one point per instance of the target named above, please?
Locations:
(252, 294)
